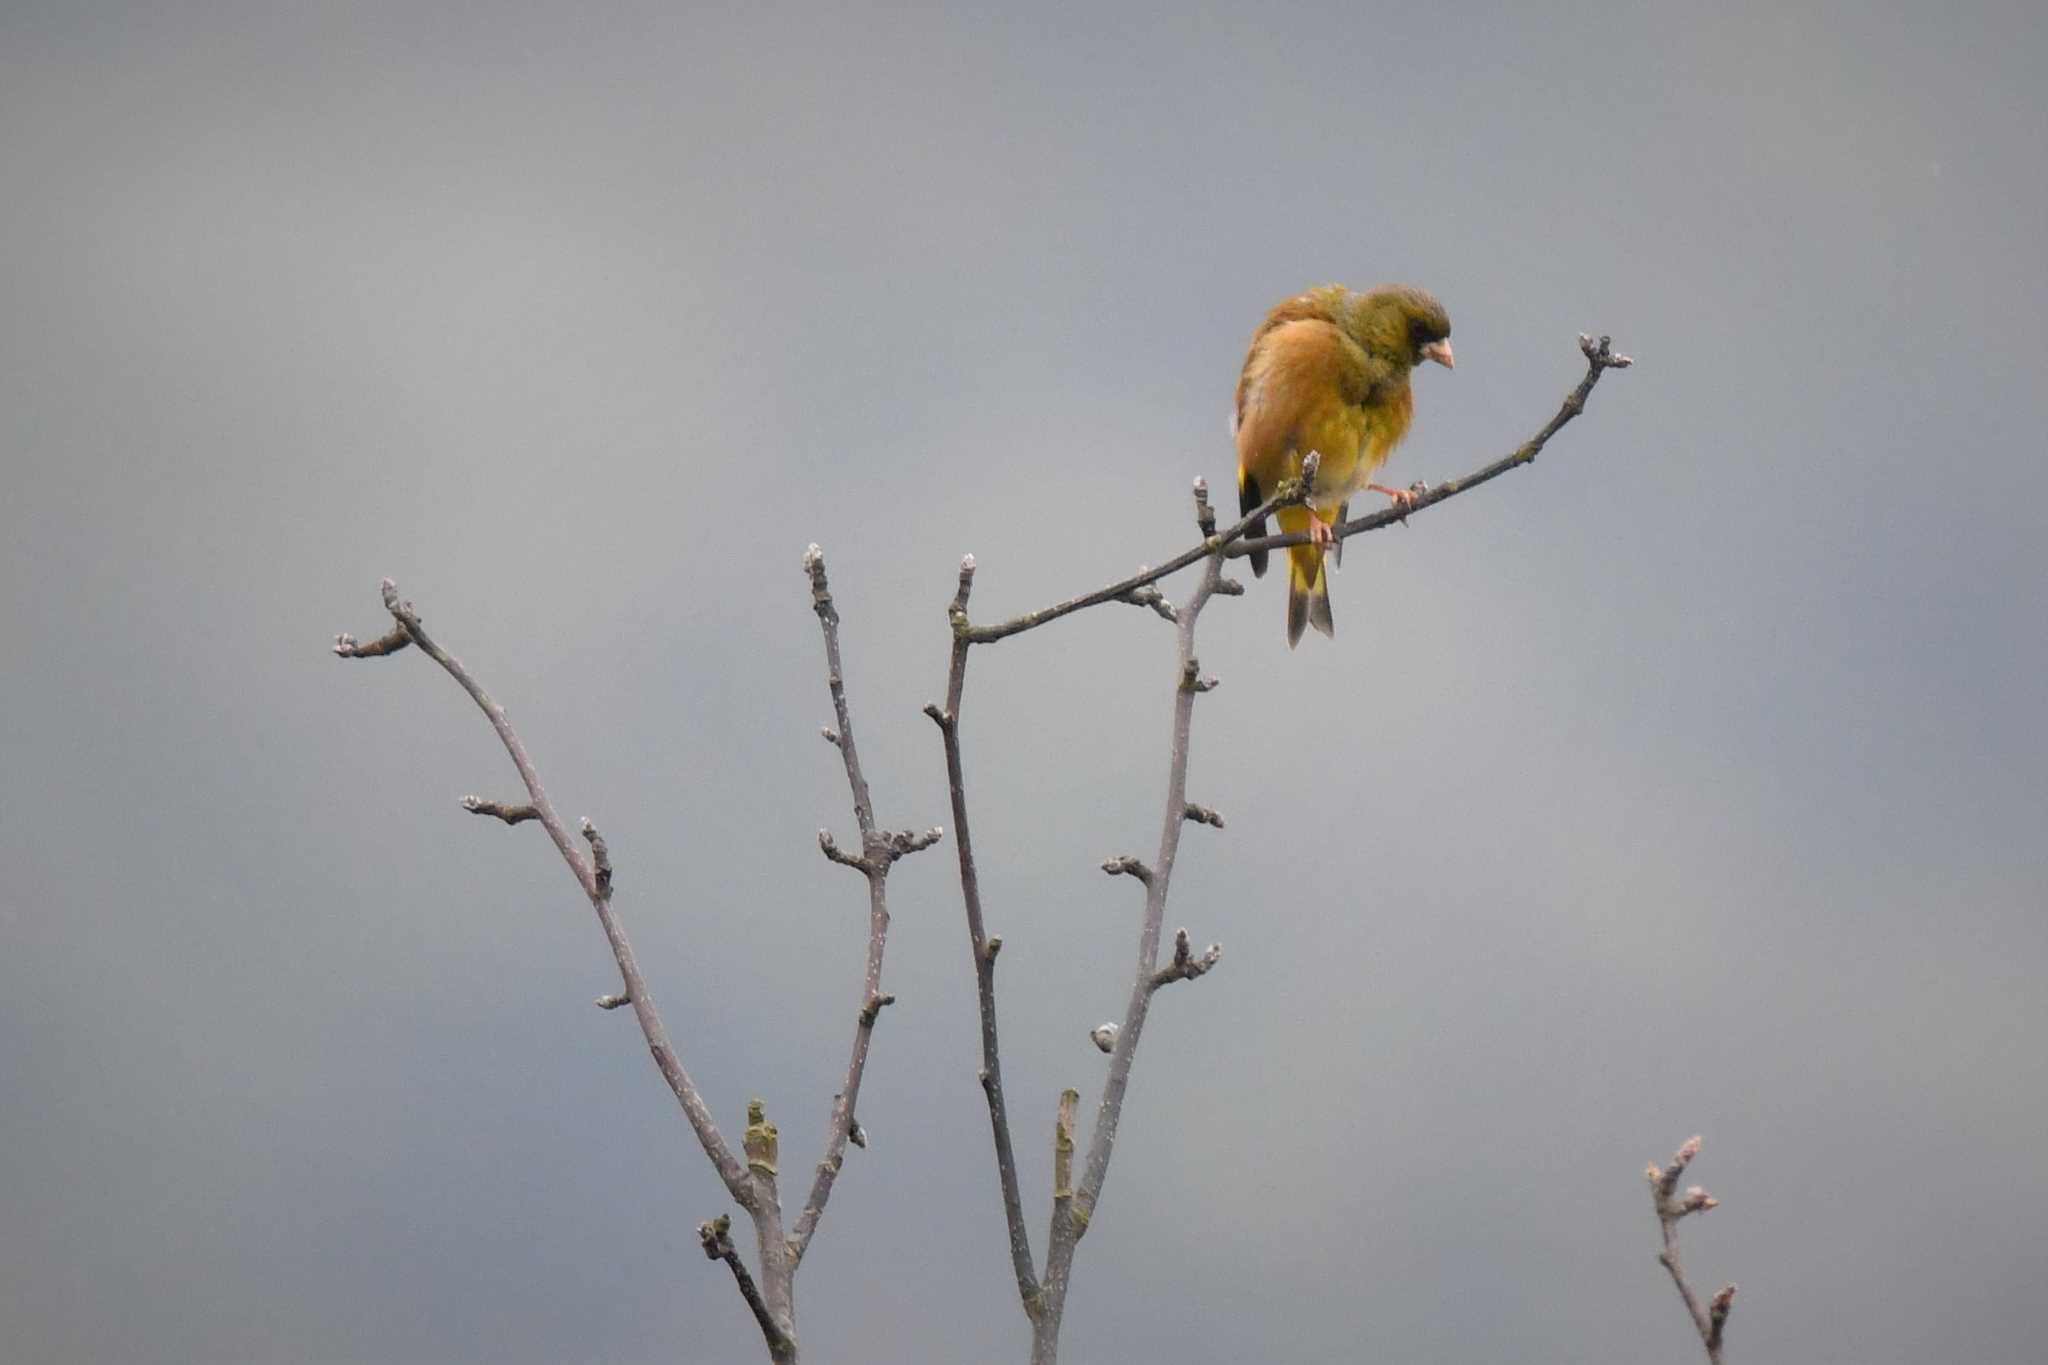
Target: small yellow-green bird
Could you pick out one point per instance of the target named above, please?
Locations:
(1328, 371)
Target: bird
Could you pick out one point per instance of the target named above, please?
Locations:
(1327, 371)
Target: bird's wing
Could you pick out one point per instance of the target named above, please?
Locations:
(1296, 374)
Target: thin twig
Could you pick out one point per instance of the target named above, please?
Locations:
(1067, 1229)
(1710, 1321)
(1044, 1298)
(982, 946)
(1185, 965)
(879, 851)
(1289, 493)
(752, 1188)
(585, 872)
(716, 1236)
(511, 815)
(1600, 358)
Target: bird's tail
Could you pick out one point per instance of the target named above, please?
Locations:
(1308, 593)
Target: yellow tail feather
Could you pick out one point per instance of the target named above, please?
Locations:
(1308, 593)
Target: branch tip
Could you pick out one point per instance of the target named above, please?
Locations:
(1185, 965)
(600, 859)
(1205, 515)
(511, 815)
(1125, 865)
(1149, 595)
(716, 1237)
(1104, 1036)
(612, 1002)
(1601, 353)
(1201, 815)
(346, 646)
(902, 843)
(831, 849)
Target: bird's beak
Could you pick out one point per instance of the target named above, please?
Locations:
(1440, 352)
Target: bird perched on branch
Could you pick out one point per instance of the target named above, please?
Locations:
(1328, 372)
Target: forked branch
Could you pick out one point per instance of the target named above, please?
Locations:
(753, 1185)
(1074, 1202)
(1710, 1321)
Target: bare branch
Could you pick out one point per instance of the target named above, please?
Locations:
(716, 1236)
(1150, 596)
(511, 815)
(1185, 965)
(902, 843)
(982, 945)
(595, 889)
(1290, 492)
(1710, 1322)
(1044, 1298)
(1127, 866)
(832, 850)
(1071, 1216)
(393, 640)
(879, 850)
(600, 858)
(1600, 358)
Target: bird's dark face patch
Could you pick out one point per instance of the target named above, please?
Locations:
(1426, 326)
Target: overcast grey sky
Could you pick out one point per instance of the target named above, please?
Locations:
(1690, 781)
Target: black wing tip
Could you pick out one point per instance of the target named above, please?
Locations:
(1248, 499)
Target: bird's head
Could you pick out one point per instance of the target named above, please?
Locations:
(1401, 323)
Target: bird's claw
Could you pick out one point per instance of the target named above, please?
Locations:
(1404, 499)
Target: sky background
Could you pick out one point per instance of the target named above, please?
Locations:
(1693, 780)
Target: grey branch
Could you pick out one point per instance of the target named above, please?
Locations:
(600, 858)
(832, 850)
(1127, 866)
(879, 851)
(1071, 1219)
(1150, 596)
(1290, 492)
(716, 1236)
(511, 815)
(393, 640)
(1185, 965)
(1672, 1205)
(1044, 1297)
(750, 1185)
(587, 874)
(982, 945)
(1600, 358)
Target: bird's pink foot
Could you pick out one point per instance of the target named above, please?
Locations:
(1403, 498)
(1319, 532)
